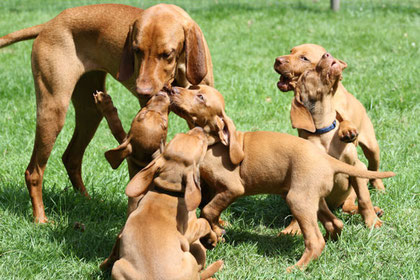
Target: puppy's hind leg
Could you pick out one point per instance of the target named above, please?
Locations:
(304, 209)
(331, 223)
(370, 147)
(365, 207)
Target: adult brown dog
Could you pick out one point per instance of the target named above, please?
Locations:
(73, 53)
(354, 121)
(160, 239)
(248, 163)
(314, 96)
(147, 134)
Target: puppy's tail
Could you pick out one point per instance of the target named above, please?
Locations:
(21, 35)
(342, 167)
(211, 270)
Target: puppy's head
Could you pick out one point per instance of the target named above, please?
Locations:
(204, 106)
(291, 66)
(175, 169)
(152, 121)
(315, 85)
(158, 42)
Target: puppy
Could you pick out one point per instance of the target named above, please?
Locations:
(147, 133)
(354, 121)
(314, 104)
(160, 238)
(249, 163)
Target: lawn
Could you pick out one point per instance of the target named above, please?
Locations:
(378, 39)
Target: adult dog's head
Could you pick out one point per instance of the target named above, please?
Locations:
(164, 45)
(291, 66)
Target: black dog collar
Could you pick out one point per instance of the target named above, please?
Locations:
(168, 192)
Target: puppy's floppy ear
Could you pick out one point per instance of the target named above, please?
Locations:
(192, 188)
(300, 116)
(195, 54)
(140, 183)
(116, 156)
(342, 64)
(229, 137)
(127, 58)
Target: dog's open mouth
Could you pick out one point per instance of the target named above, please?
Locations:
(285, 83)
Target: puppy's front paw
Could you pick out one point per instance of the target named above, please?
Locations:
(347, 132)
(210, 240)
(103, 101)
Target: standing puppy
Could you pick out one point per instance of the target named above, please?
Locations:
(73, 53)
(354, 121)
(160, 239)
(264, 162)
(147, 134)
(314, 104)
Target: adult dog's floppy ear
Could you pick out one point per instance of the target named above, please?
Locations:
(140, 183)
(300, 116)
(127, 58)
(195, 54)
(229, 137)
(116, 156)
(192, 188)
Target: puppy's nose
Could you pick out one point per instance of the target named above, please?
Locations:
(280, 60)
(144, 90)
(326, 55)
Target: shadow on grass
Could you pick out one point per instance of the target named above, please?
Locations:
(101, 219)
(268, 210)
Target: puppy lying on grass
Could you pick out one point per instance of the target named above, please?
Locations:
(160, 239)
(248, 163)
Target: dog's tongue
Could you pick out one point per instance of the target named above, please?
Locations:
(283, 84)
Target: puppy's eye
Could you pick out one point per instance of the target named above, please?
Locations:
(305, 59)
(200, 97)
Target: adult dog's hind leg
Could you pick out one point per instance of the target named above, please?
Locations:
(88, 118)
(53, 99)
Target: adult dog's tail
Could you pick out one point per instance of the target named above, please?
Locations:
(211, 269)
(342, 167)
(21, 35)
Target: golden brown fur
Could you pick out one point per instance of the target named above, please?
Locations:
(314, 97)
(147, 134)
(160, 239)
(248, 163)
(355, 123)
(73, 53)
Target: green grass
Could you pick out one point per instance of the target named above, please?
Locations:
(378, 39)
